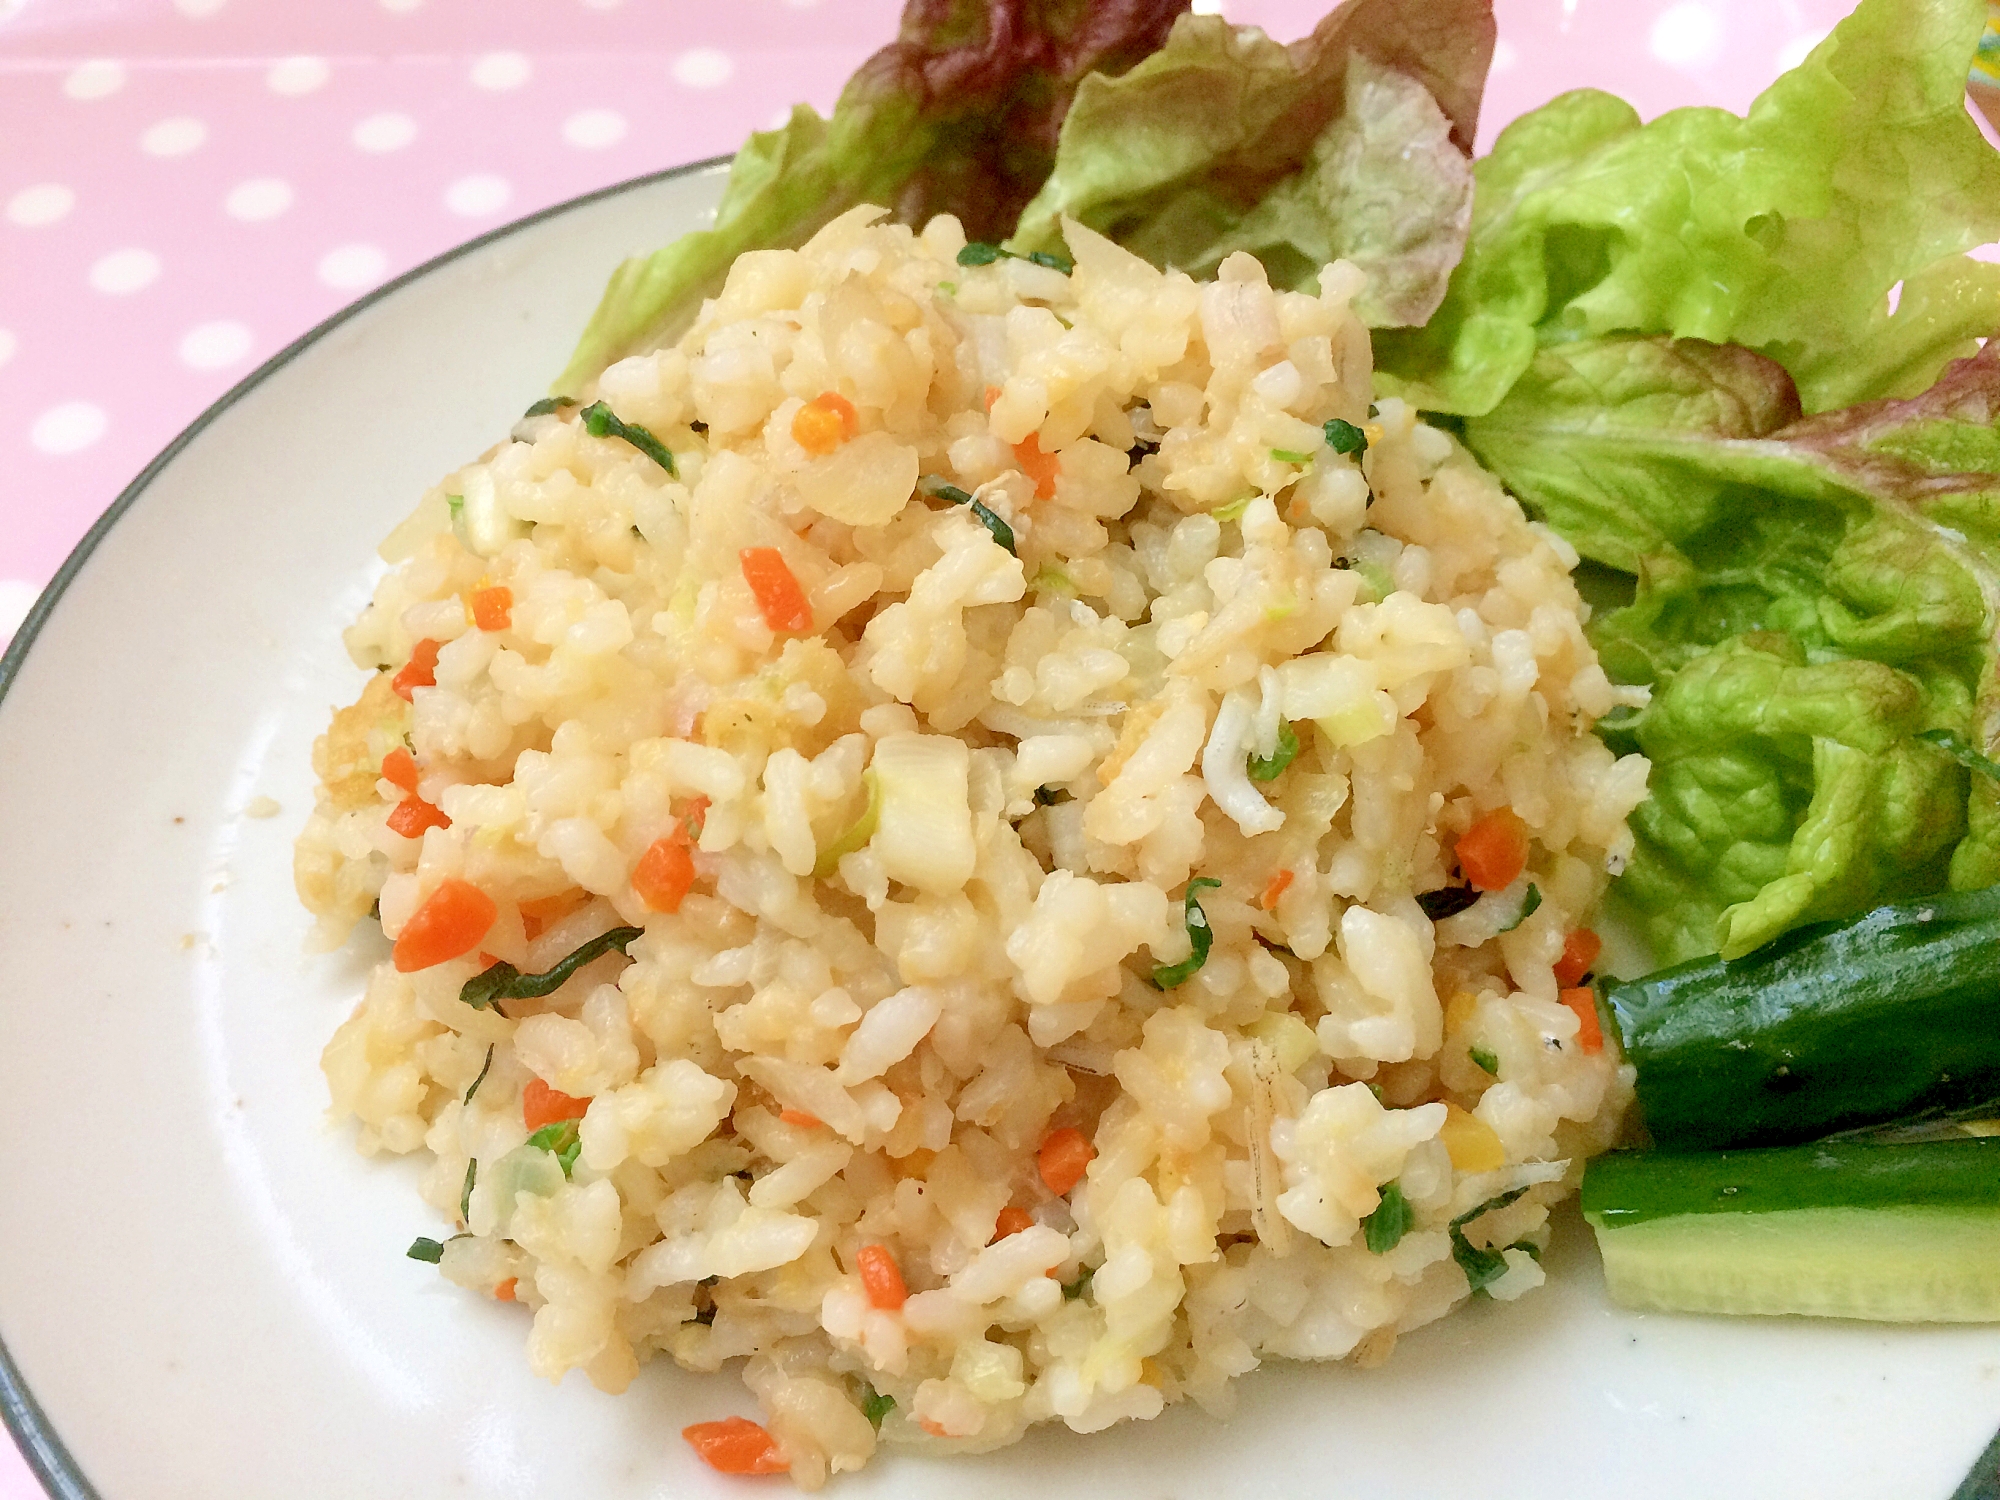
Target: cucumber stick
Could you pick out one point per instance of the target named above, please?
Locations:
(1847, 1229)
(1827, 1029)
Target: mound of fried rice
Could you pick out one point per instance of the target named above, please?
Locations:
(942, 842)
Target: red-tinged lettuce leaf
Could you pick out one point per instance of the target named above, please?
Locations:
(1354, 142)
(1783, 231)
(959, 115)
(1808, 599)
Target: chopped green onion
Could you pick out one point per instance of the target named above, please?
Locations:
(948, 288)
(1385, 1228)
(465, 1193)
(562, 1140)
(548, 405)
(1072, 1290)
(1380, 584)
(423, 1249)
(1529, 904)
(1233, 510)
(951, 494)
(1482, 1267)
(1955, 746)
(856, 836)
(1268, 767)
(1345, 437)
(1200, 937)
(456, 505)
(505, 982)
(1052, 579)
(600, 421)
(483, 1071)
(874, 1405)
(980, 253)
(1290, 456)
(1486, 1060)
(1447, 901)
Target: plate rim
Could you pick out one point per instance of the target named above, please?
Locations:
(47, 1455)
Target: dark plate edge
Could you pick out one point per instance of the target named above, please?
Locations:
(22, 1416)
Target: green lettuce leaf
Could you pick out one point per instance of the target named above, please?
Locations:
(1783, 231)
(1354, 142)
(959, 115)
(1807, 597)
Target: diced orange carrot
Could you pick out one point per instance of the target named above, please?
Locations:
(493, 609)
(992, 395)
(801, 1119)
(934, 1428)
(881, 1277)
(542, 1105)
(1280, 883)
(413, 815)
(1063, 1157)
(505, 1291)
(1041, 467)
(399, 768)
(825, 422)
(449, 925)
(419, 671)
(779, 598)
(664, 874)
(1494, 850)
(1580, 950)
(1012, 1220)
(1589, 1035)
(736, 1445)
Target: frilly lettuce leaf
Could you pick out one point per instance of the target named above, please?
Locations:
(1354, 142)
(1807, 597)
(958, 115)
(1782, 231)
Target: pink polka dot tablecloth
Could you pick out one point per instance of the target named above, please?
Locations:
(188, 185)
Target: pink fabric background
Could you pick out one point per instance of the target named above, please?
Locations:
(188, 185)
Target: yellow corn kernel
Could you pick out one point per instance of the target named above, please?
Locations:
(1472, 1145)
(1458, 1011)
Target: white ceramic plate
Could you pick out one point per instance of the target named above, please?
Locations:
(203, 1291)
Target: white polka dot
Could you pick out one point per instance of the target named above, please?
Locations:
(199, 10)
(349, 268)
(10, 9)
(500, 71)
(297, 75)
(8, 344)
(44, 203)
(603, 4)
(211, 346)
(703, 68)
(1504, 56)
(1207, 7)
(802, 4)
(385, 132)
(96, 79)
(400, 7)
(68, 428)
(1794, 52)
(173, 137)
(125, 271)
(780, 120)
(1686, 36)
(480, 194)
(17, 597)
(258, 199)
(594, 129)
